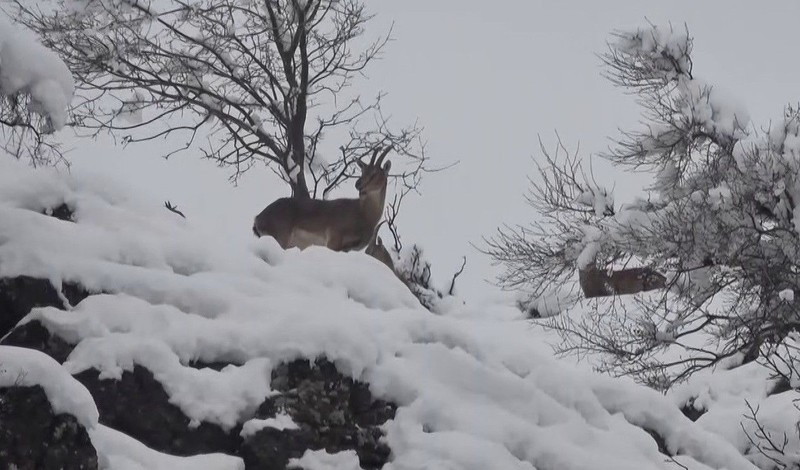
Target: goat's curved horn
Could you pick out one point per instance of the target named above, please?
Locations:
(374, 154)
(383, 155)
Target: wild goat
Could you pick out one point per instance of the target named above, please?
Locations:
(599, 283)
(339, 224)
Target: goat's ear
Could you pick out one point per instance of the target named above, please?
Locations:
(387, 166)
(361, 164)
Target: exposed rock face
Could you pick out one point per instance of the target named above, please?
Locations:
(690, 411)
(20, 294)
(34, 335)
(63, 212)
(33, 437)
(138, 406)
(332, 411)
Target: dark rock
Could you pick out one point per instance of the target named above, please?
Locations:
(217, 366)
(138, 406)
(20, 294)
(271, 449)
(333, 412)
(33, 437)
(660, 442)
(781, 385)
(691, 412)
(33, 335)
(62, 212)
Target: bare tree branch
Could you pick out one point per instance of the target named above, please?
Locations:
(258, 82)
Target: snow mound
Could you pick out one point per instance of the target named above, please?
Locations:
(472, 392)
(731, 399)
(322, 460)
(279, 422)
(117, 451)
(26, 367)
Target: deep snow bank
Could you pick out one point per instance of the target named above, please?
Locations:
(472, 391)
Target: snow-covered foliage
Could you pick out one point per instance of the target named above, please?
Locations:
(412, 266)
(474, 387)
(720, 222)
(26, 67)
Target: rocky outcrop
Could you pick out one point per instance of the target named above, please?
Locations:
(138, 406)
(33, 437)
(19, 295)
(332, 411)
(34, 335)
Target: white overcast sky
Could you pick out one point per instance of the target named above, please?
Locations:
(485, 78)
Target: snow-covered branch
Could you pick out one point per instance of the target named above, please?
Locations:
(35, 90)
(717, 234)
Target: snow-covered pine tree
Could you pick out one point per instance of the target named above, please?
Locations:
(720, 222)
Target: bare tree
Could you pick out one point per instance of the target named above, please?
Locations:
(714, 238)
(411, 265)
(770, 448)
(244, 81)
(26, 135)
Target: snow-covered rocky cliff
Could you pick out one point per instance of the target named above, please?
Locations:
(171, 348)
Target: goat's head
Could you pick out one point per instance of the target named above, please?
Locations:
(375, 174)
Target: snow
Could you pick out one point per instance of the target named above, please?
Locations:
(718, 111)
(592, 242)
(280, 422)
(28, 67)
(473, 391)
(665, 47)
(600, 200)
(26, 367)
(725, 395)
(322, 460)
(786, 295)
(117, 451)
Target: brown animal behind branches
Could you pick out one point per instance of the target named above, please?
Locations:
(599, 283)
(340, 224)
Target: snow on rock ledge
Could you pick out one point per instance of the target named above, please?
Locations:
(21, 367)
(470, 392)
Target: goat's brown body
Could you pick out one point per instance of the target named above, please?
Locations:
(597, 283)
(339, 224)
